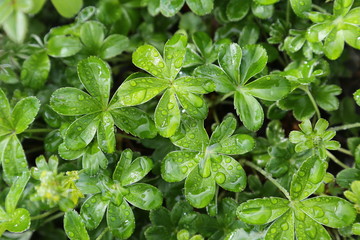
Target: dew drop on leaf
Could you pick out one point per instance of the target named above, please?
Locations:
(220, 178)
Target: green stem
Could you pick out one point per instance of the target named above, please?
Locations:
(345, 151)
(288, 12)
(102, 233)
(345, 127)
(39, 130)
(306, 89)
(269, 177)
(335, 160)
(320, 9)
(43, 215)
(226, 96)
(53, 217)
(127, 136)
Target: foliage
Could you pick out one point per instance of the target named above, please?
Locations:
(179, 120)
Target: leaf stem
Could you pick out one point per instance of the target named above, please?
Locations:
(345, 151)
(320, 9)
(38, 130)
(306, 89)
(269, 177)
(337, 161)
(127, 136)
(53, 217)
(344, 127)
(102, 233)
(226, 96)
(43, 215)
(288, 12)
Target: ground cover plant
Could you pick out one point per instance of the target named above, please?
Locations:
(179, 120)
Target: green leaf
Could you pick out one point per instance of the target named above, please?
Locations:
(24, 113)
(254, 60)
(222, 82)
(167, 114)
(230, 60)
(6, 8)
(174, 54)
(120, 220)
(93, 210)
(199, 191)
(5, 112)
(307, 228)
(194, 85)
(230, 176)
(149, 59)
(345, 177)
(20, 220)
(113, 45)
(68, 154)
(351, 33)
(300, 8)
(237, 144)
(334, 44)
(95, 75)
(325, 96)
(92, 35)
(13, 159)
(193, 104)
(352, 17)
(63, 46)
(16, 191)
(93, 159)
(318, 32)
(81, 131)
(200, 7)
(249, 110)
(72, 102)
(74, 226)
(177, 165)
(137, 91)
(161, 217)
(262, 210)
(204, 44)
(191, 135)
(67, 8)
(170, 8)
(330, 211)
(136, 171)
(16, 26)
(342, 7)
(308, 178)
(35, 70)
(237, 10)
(282, 228)
(123, 164)
(262, 11)
(134, 121)
(144, 196)
(270, 88)
(224, 130)
(106, 134)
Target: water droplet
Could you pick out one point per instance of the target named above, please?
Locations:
(230, 167)
(81, 97)
(71, 234)
(273, 230)
(184, 169)
(220, 178)
(297, 187)
(325, 221)
(274, 200)
(318, 212)
(302, 3)
(192, 136)
(161, 65)
(79, 128)
(163, 112)
(284, 226)
(133, 83)
(301, 173)
(227, 160)
(170, 106)
(127, 213)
